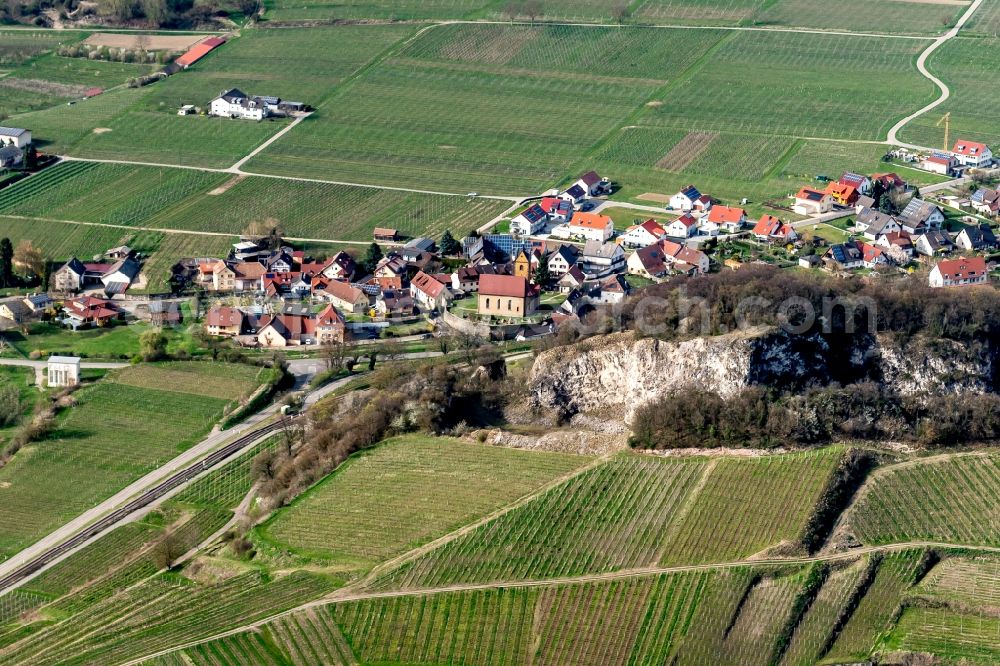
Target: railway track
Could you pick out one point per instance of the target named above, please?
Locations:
(142, 501)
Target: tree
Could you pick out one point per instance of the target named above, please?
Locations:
(450, 246)
(512, 10)
(153, 344)
(262, 467)
(542, 275)
(10, 404)
(533, 9)
(267, 232)
(620, 12)
(335, 354)
(29, 258)
(6, 263)
(47, 276)
(31, 157)
(167, 551)
(373, 255)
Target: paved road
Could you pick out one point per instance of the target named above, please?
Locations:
(922, 66)
(256, 151)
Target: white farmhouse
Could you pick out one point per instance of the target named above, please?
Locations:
(972, 154)
(235, 103)
(63, 371)
(14, 136)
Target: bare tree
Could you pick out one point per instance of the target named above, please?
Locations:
(512, 10)
(620, 12)
(29, 258)
(334, 355)
(167, 551)
(532, 9)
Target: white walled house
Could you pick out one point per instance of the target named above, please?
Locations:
(959, 272)
(235, 103)
(529, 221)
(972, 153)
(812, 202)
(686, 198)
(684, 226)
(14, 136)
(643, 235)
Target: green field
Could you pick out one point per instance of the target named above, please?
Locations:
(635, 512)
(956, 499)
(119, 343)
(881, 16)
(311, 10)
(188, 200)
(96, 444)
(975, 114)
(960, 638)
(494, 108)
(407, 492)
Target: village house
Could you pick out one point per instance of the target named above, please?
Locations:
(429, 293)
(593, 184)
(69, 277)
(391, 267)
(88, 310)
(38, 303)
(341, 266)
(223, 277)
(589, 226)
(558, 210)
(574, 195)
(562, 259)
(643, 235)
(986, 201)
(875, 224)
(611, 290)
(812, 202)
(688, 199)
(933, 243)
(224, 321)
(959, 272)
(345, 296)
(650, 262)
(979, 237)
(602, 259)
(15, 136)
(14, 311)
(572, 279)
(844, 256)
(507, 296)
(770, 229)
(862, 184)
(247, 250)
(920, 215)
(248, 276)
(728, 218)
(972, 154)
(941, 163)
(842, 195)
(293, 329)
(529, 221)
(393, 303)
(235, 103)
(684, 226)
(897, 246)
(465, 279)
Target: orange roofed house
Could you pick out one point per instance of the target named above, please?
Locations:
(507, 296)
(962, 272)
(589, 226)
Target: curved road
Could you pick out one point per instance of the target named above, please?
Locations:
(922, 66)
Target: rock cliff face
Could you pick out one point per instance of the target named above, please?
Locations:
(614, 374)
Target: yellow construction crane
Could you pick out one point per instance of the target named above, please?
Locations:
(946, 119)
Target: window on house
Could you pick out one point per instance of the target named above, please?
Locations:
(487, 303)
(508, 304)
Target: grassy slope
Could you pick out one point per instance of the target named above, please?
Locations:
(96, 444)
(407, 492)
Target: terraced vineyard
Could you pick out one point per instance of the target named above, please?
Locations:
(954, 500)
(962, 638)
(406, 492)
(162, 612)
(750, 505)
(609, 518)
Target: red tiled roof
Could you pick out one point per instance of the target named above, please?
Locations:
(766, 225)
(428, 284)
(344, 291)
(953, 269)
(590, 220)
(503, 285)
(969, 148)
(724, 214)
(224, 317)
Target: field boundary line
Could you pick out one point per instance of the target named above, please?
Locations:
(673, 26)
(345, 595)
(410, 555)
(942, 86)
(262, 147)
